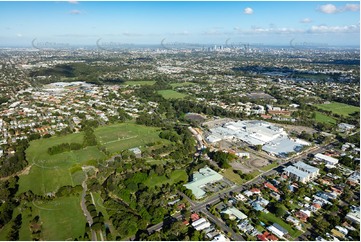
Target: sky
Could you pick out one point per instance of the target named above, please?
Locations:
(225, 23)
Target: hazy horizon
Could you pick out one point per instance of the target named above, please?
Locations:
(76, 23)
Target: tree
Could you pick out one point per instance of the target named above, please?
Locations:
(258, 147)
(280, 210)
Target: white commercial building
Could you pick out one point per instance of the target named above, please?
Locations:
(330, 161)
(201, 224)
(301, 172)
(205, 176)
(235, 212)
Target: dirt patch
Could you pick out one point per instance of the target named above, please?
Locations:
(195, 117)
(239, 166)
(217, 122)
(258, 162)
(298, 129)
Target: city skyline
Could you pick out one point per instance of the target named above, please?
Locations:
(267, 23)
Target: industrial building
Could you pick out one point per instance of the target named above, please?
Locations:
(330, 161)
(199, 179)
(301, 172)
(274, 139)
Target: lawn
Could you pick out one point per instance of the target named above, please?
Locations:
(118, 137)
(133, 83)
(270, 166)
(230, 175)
(168, 94)
(176, 176)
(270, 218)
(62, 218)
(322, 118)
(338, 108)
(50, 172)
(4, 231)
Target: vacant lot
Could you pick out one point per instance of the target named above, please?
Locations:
(230, 175)
(338, 108)
(169, 94)
(297, 129)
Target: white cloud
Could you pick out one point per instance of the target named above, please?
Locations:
(335, 29)
(19, 35)
(315, 29)
(131, 34)
(306, 20)
(330, 8)
(274, 30)
(73, 2)
(185, 32)
(352, 7)
(248, 11)
(75, 12)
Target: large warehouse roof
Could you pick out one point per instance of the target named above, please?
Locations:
(274, 139)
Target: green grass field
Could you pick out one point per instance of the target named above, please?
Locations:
(176, 176)
(323, 118)
(133, 83)
(118, 137)
(49, 172)
(271, 218)
(168, 94)
(230, 175)
(62, 218)
(338, 108)
(270, 166)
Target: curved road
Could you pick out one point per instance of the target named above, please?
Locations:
(84, 208)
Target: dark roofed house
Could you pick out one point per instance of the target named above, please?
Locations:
(280, 228)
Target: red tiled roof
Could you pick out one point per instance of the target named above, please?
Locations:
(194, 217)
(266, 116)
(261, 237)
(272, 237)
(181, 206)
(255, 190)
(270, 186)
(302, 216)
(316, 205)
(185, 222)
